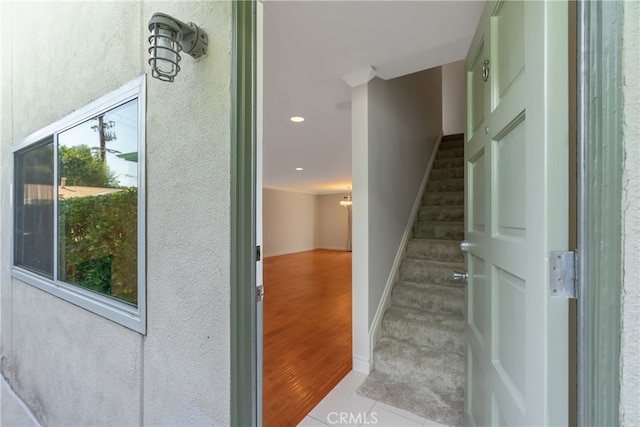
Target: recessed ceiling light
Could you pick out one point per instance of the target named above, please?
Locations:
(299, 169)
(297, 119)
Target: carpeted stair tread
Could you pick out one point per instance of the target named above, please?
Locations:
(457, 172)
(444, 408)
(449, 184)
(443, 198)
(443, 369)
(450, 152)
(428, 297)
(456, 162)
(439, 230)
(419, 361)
(441, 213)
(435, 250)
(437, 331)
(431, 272)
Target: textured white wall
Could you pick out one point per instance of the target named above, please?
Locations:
(453, 110)
(404, 119)
(72, 366)
(290, 222)
(630, 337)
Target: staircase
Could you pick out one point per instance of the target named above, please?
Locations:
(420, 357)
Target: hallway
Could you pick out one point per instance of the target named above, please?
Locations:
(307, 331)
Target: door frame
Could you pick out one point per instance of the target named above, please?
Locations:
(245, 404)
(591, 247)
(599, 184)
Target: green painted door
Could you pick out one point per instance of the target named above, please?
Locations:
(516, 157)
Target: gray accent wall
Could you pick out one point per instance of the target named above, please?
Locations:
(404, 120)
(73, 367)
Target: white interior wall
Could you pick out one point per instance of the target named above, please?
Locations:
(75, 367)
(289, 221)
(360, 255)
(297, 222)
(630, 310)
(334, 222)
(453, 109)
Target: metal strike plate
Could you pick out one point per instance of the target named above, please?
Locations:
(562, 274)
(259, 293)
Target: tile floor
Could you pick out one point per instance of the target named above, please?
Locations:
(341, 407)
(344, 407)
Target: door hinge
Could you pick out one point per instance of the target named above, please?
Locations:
(257, 253)
(562, 274)
(259, 293)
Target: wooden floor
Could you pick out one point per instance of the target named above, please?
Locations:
(307, 332)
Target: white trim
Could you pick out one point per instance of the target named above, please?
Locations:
(375, 331)
(130, 316)
(360, 77)
(362, 365)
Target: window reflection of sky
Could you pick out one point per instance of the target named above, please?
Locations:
(125, 119)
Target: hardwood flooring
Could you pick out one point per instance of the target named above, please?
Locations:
(306, 331)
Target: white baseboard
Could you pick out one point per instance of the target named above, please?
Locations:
(376, 327)
(361, 365)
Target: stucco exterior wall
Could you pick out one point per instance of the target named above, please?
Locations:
(74, 367)
(630, 299)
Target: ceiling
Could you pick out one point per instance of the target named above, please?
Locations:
(309, 46)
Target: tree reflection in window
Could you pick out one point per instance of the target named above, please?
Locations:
(97, 203)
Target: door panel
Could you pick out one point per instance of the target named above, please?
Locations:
(507, 24)
(509, 192)
(477, 195)
(515, 168)
(476, 93)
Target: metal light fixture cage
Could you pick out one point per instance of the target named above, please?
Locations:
(168, 37)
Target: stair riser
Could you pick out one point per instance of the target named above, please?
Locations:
(454, 198)
(434, 230)
(441, 213)
(446, 173)
(448, 163)
(455, 184)
(424, 337)
(420, 297)
(450, 153)
(423, 272)
(437, 250)
(448, 145)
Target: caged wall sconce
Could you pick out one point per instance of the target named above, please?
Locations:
(168, 37)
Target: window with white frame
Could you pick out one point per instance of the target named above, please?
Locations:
(79, 207)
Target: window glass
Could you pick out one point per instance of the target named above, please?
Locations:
(34, 209)
(97, 203)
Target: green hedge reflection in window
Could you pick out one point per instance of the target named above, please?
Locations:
(97, 203)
